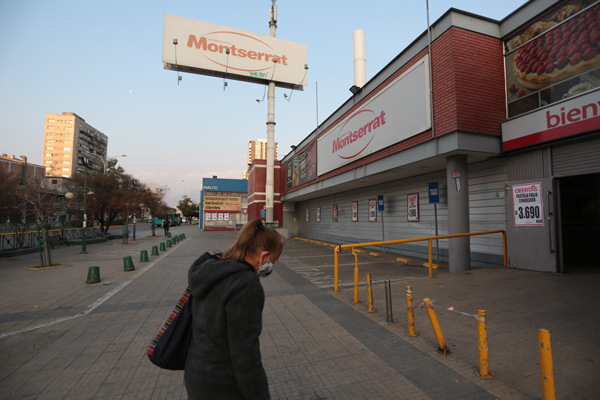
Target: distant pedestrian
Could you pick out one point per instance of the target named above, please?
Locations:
(166, 225)
(224, 360)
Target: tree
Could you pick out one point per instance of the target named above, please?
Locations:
(188, 208)
(153, 201)
(12, 213)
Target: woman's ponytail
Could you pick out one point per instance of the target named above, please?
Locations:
(253, 236)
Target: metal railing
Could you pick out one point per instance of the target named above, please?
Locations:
(8, 240)
(428, 238)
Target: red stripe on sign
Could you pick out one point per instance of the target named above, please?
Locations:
(551, 134)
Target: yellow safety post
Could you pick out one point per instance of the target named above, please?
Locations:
(484, 370)
(335, 268)
(436, 326)
(430, 259)
(504, 244)
(370, 290)
(410, 312)
(356, 300)
(546, 365)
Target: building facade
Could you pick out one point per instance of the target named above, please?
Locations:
(67, 137)
(493, 126)
(223, 204)
(257, 150)
(20, 169)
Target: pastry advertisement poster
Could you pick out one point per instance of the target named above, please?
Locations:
(412, 211)
(554, 57)
(528, 204)
(373, 210)
(303, 167)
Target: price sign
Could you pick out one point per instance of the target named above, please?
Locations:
(412, 201)
(528, 205)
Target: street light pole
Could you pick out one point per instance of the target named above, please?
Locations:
(83, 239)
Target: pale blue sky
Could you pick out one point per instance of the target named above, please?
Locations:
(102, 60)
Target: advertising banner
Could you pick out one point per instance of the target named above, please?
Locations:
(554, 58)
(373, 210)
(582, 114)
(528, 207)
(396, 113)
(413, 207)
(223, 204)
(303, 167)
(215, 50)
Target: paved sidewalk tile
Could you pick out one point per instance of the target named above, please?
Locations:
(63, 339)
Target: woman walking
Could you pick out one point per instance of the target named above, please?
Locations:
(224, 360)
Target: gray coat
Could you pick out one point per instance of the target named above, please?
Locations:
(224, 360)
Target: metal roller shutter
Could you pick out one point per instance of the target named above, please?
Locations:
(576, 158)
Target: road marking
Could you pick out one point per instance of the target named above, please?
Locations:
(92, 306)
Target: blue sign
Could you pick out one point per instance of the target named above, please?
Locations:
(434, 192)
(380, 202)
(263, 213)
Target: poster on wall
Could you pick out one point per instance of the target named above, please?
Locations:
(335, 213)
(413, 207)
(226, 217)
(302, 168)
(307, 215)
(220, 216)
(554, 57)
(528, 207)
(214, 216)
(373, 210)
(318, 214)
(208, 216)
(355, 211)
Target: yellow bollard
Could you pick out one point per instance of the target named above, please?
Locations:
(370, 290)
(335, 268)
(356, 277)
(410, 312)
(484, 370)
(546, 365)
(436, 326)
(430, 259)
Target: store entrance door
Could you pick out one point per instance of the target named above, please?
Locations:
(531, 225)
(580, 223)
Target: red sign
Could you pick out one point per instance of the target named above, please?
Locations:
(245, 210)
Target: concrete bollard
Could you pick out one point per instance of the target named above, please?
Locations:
(128, 264)
(183, 235)
(169, 234)
(168, 242)
(173, 240)
(162, 246)
(144, 256)
(93, 275)
(155, 250)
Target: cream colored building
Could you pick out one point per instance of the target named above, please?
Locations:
(66, 136)
(257, 150)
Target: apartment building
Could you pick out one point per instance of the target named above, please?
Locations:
(66, 138)
(20, 169)
(257, 150)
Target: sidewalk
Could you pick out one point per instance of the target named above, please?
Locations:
(90, 340)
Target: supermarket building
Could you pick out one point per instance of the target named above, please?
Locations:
(493, 126)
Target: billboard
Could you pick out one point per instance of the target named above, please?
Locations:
(302, 168)
(553, 58)
(231, 204)
(214, 50)
(396, 113)
(579, 115)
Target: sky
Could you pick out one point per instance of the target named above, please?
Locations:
(103, 61)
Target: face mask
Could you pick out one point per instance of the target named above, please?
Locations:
(265, 269)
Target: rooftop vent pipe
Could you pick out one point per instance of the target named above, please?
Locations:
(360, 59)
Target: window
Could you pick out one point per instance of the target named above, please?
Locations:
(65, 169)
(66, 162)
(69, 121)
(48, 154)
(48, 162)
(68, 128)
(66, 155)
(68, 135)
(49, 140)
(54, 181)
(49, 148)
(67, 141)
(67, 148)
(50, 134)
(50, 127)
